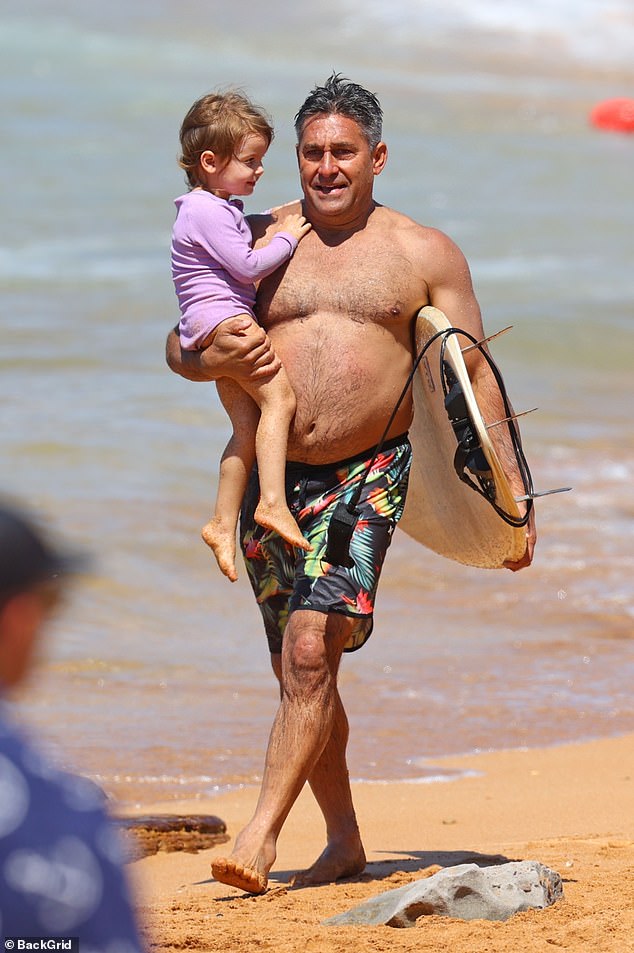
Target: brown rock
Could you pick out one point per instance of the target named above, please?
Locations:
(170, 832)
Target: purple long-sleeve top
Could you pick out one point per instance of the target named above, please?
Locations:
(213, 265)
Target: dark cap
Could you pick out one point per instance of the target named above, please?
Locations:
(27, 556)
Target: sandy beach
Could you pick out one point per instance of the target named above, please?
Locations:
(569, 807)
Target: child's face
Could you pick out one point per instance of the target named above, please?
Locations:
(240, 175)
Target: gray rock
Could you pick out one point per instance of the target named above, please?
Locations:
(467, 892)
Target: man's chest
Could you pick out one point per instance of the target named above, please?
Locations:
(372, 284)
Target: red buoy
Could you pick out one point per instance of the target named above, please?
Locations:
(616, 115)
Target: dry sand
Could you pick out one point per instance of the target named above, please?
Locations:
(571, 807)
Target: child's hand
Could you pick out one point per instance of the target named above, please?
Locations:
(295, 225)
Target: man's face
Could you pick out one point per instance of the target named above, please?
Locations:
(337, 169)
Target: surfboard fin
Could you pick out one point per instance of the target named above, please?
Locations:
(506, 420)
(478, 344)
(536, 494)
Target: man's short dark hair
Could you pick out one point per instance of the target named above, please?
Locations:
(339, 96)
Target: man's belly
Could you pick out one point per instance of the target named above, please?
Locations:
(346, 387)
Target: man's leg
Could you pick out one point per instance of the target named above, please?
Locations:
(329, 780)
(307, 740)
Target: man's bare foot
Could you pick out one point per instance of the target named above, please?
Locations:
(333, 864)
(223, 544)
(279, 519)
(230, 872)
(252, 857)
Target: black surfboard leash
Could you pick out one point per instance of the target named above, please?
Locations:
(469, 453)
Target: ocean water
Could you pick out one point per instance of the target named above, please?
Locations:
(156, 679)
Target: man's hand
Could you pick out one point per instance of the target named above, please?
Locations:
(240, 350)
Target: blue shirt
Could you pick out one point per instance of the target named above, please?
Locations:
(61, 863)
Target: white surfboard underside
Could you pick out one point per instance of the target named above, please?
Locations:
(441, 511)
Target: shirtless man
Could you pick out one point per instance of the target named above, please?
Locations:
(340, 318)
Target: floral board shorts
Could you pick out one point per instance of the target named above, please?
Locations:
(285, 579)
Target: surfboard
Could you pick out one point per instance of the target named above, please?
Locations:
(443, 512)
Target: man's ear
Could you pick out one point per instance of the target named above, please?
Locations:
(379, 158)
(208, 161)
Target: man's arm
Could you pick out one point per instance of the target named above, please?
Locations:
(451, 291)
(240, 350)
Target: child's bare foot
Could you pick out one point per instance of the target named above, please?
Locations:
(279, 519)
(223, 544)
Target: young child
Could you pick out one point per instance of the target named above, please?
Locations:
(223, 140)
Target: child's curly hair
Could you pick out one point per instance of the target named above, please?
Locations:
(219, 122)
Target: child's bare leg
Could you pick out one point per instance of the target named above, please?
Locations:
(276, 401)
(235, 466)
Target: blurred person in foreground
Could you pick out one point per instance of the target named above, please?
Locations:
(61, 866)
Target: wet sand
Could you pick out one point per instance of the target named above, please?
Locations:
(570, 807)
